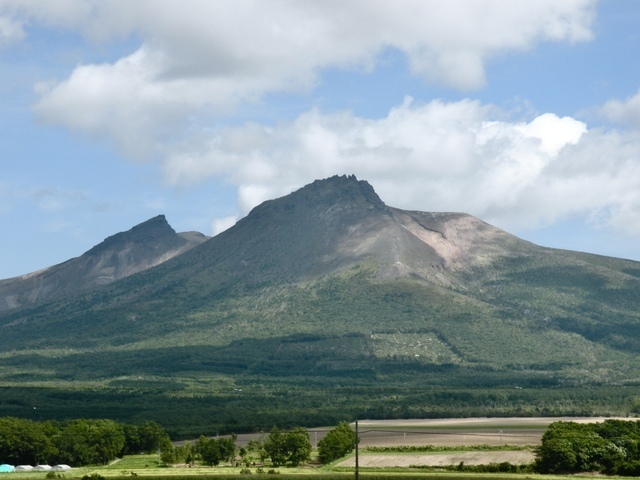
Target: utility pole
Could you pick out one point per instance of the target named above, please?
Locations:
(357, 464)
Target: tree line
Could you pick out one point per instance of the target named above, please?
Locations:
(91, 442)
(611, 447)
(290, 402)
(280, 448)
(75, 442)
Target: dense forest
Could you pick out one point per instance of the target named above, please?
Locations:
(75, 442)
(259, 403)
(83, 442)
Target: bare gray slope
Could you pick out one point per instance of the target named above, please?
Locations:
(320, 231)
(332, 224)
(145, 245)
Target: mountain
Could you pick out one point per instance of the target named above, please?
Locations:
(329, 304)
(144, 246)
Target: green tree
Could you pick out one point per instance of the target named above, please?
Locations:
(145, 438)
(337, 443)
(556, 455)
(569, 447)
(216, 450)
(106, 439)
(186, 453)
(131, 440)
(257, 446)
(228, 447)
(73, 445)
(24, 441)
(275, 446)
(152, 437)
(168, 455)
(298, 446)
(292, 447)
(85, 442)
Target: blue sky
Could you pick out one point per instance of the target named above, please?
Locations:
(524, 114)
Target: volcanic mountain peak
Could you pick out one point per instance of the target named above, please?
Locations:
(328, 284)
(148, 232)
(143, 246)
(331, 225)
(342, 192)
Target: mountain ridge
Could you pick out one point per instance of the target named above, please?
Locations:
(122, 254)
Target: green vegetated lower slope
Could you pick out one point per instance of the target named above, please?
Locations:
(351, 322)
(327, 303)
(584, 307)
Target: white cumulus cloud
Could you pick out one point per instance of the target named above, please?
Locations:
(195, 62)
(199, 59)
(437, 156)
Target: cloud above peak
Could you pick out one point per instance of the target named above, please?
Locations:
(436, 156)
(198, 59)
(192, 66)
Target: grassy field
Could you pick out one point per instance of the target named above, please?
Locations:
(222, 473)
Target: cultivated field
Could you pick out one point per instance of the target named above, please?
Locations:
(446, 431)
(458, 432)
(523, 433)
(517, 457)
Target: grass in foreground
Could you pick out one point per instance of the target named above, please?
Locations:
(222, 473)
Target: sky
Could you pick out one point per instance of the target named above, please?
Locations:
(524, 114)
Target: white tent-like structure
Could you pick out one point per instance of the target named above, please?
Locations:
(24, 468)
(61, 468)
(42, 468)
